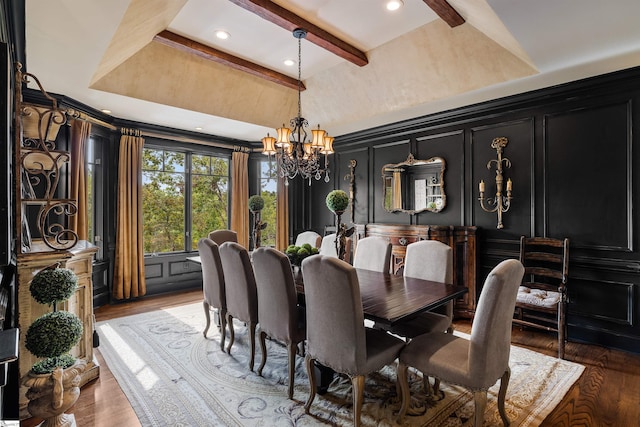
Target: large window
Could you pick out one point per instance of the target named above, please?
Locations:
(268, 191)
(185, 196)
(95, 194)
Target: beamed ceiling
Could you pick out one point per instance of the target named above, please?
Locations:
(158, 61)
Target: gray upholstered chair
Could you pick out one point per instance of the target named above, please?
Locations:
(476, 363)
(280, 316)
(241, 294)
(340, 340)
(213, 285)
(221, 236)
(328, 247)
(373, 253)
(310, 237)
(429, 260)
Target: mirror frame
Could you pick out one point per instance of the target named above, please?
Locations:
(411, 161)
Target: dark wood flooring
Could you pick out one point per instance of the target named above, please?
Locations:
(607, 394)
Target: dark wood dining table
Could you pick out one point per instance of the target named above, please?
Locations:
(388, 298)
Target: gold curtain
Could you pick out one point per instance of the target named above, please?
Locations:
(282, 215)
(397, 189)
(240, 196)
(128, 276)
(80, 132)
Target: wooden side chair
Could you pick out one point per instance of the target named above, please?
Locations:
(542, 298)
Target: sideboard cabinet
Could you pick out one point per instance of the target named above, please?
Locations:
(462, 239)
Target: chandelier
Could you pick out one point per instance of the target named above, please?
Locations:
(295, 153)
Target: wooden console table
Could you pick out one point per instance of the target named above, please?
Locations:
(462, 239)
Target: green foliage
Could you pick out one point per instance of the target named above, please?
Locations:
(297, 253)
(53, 334)
(53, 285)
(337, 201)
(256, 203)
(46, 366)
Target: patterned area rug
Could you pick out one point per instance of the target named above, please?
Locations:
(173, 376)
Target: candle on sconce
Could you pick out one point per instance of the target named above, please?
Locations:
(481, 186)
(509, 185)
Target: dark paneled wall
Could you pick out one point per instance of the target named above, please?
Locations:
(573, 162)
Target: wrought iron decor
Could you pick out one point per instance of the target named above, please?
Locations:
(39, 170)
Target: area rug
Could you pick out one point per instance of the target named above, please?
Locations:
(173, 376)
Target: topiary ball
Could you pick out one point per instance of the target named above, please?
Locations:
(46, 366)
(53, 334)
(256, 203)
(337, 201)
(53, 285)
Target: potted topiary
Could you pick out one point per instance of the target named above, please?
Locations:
(256, 204)
(53, 382)
(337, 201)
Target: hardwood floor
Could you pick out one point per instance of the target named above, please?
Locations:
(607, 394)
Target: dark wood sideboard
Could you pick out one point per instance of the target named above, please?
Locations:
(462, 239)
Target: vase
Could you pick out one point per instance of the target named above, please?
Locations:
(50, 395)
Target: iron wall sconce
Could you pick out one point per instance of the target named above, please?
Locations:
(499, 203)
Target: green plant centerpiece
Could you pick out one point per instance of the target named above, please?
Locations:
(53, 381)
(256, 204)
(337, 201)
(297, 253)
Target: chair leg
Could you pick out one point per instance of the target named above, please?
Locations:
(480, 402)
(263, 347)
(207, 315)
(292, 366)
(222, 316)
(357, 383)
(252, 342)
(561, 329)
(232, 333)
(312, 382)
(403, 383)
(502, 394)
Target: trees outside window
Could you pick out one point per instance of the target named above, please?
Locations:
(268, 191)
(185, 196)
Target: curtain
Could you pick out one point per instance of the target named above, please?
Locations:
(282, 215)
(240, 196)
(80, 132)
(397, 189)
(128, 276)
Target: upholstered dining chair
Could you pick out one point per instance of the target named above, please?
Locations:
(241, 294)
(429, 260)
(280, 316)
(340, 341)
(328, 247)
(221, 236)
(478, 362)
(213, 286)
(310, 237)
(373, 253)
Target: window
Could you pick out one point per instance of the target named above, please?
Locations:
(268, 191)
(95, 193)
(185, 196)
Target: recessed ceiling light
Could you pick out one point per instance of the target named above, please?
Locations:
(394, 4)
(198, 128)
(222, 34)
(106, 111)
(289, 62)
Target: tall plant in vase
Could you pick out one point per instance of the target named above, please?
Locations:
(256, 204)
(54, 381)
(337, 201)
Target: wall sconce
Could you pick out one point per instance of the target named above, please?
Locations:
(499, 203)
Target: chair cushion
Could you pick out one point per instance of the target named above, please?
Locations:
(382, 349)
(537, 297)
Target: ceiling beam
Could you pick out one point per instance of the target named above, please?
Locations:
(446, 12)
(290, 21)
(193, 47)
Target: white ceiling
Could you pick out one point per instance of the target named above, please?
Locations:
(564, 40)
